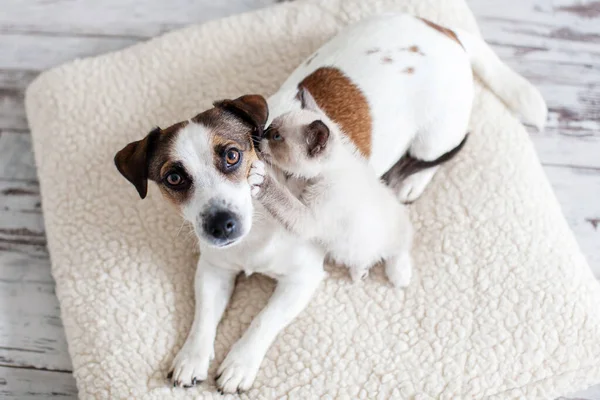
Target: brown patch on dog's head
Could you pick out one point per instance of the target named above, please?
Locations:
(448, 32)
(230, 137)
(344, 103)
(179, 194)
(134, 161)
(251, 108)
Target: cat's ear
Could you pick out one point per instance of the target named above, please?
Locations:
(317, 136)
(307, 101)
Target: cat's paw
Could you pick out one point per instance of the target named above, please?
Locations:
(399, 270)
(256, 177)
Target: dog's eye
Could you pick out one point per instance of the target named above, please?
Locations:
(174, 179)
(232, 157)
(277, 137)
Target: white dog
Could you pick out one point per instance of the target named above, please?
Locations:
(398, 86)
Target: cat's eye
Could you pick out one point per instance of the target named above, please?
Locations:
(277, 137)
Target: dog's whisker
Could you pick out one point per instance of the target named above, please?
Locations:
(180, 228)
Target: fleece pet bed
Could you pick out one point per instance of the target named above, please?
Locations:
(503, 306)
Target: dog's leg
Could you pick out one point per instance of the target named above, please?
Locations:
(213, 288)
(292, 294)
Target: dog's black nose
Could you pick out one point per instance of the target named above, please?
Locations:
(222, 225)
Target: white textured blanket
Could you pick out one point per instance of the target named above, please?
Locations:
(504, 305)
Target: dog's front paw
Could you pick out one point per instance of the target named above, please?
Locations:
(239, 369)
(256, 177)
(190, 367)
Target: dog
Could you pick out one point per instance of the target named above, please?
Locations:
(400, 87)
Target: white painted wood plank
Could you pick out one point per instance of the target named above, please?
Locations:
(26, 384)
(31, 333)
(560, 147)
(12, 110)
(38, 52)
(16, 156)
(21, 221)
(569, 13)
(12, 87)
(115, 17)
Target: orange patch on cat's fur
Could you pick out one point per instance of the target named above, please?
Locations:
(344, 103)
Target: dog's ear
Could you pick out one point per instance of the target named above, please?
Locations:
(132, 161)
(251, 108)
(307, 101)
(317, 135)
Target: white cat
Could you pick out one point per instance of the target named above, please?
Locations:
(344, 206)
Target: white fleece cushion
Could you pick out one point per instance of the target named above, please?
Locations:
(503, 306)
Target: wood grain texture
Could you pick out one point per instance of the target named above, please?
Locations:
(554, 43)
(114, 18)
(31, 384)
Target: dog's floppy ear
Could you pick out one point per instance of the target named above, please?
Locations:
(252, 108)
(132, 161)
(317, 134)
(307, 101)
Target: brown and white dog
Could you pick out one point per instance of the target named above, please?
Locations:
(399, 87)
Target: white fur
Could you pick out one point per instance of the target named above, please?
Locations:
(432, 105)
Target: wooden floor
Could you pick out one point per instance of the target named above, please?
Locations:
(554, 43)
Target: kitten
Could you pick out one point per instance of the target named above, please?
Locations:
(344, 206)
